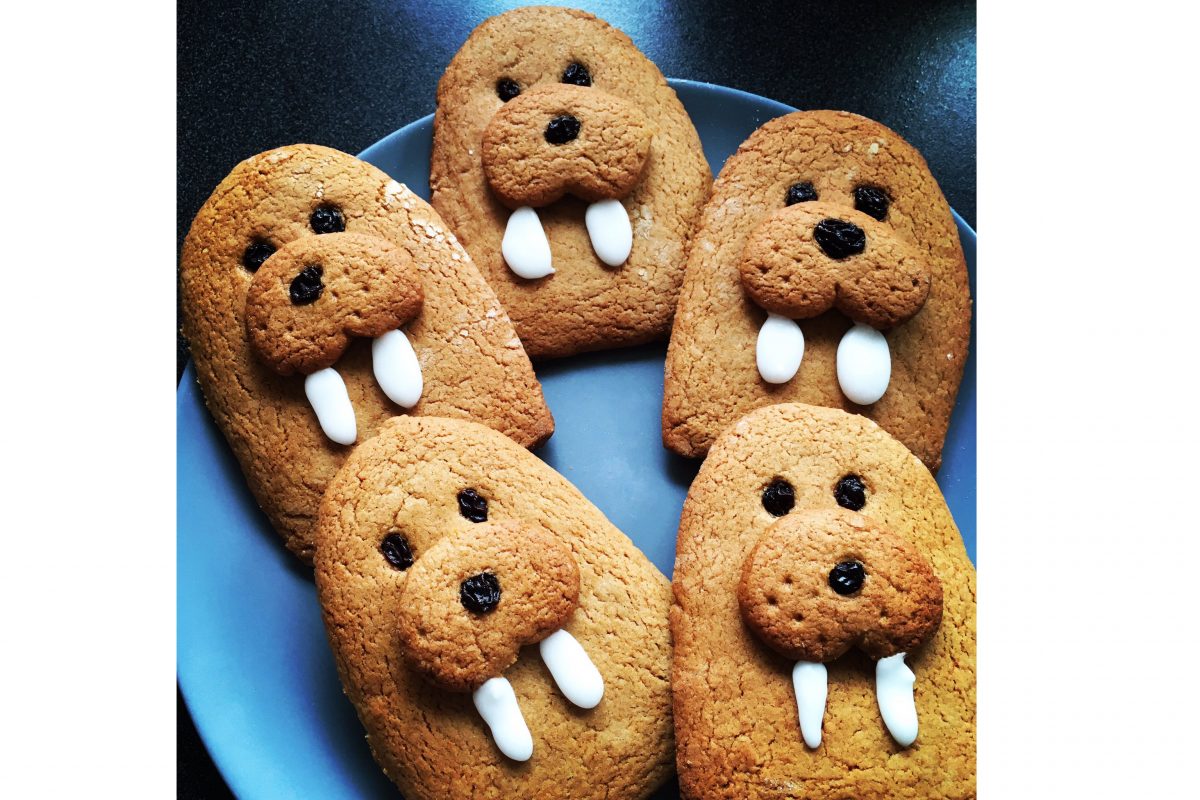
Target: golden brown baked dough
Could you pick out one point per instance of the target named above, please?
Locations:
(735, 706)
(538, 51)
(458, 648)
(262, 215)
(711, 373)
(432, 742)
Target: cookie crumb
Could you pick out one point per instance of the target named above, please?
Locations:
(645, 221)
(393, 190)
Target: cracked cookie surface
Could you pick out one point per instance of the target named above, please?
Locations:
(532, 587)
(857, 170)
(269, 205)
(586, 304)
(431, 742)
(735, 710)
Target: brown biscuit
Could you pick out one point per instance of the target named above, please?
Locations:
(735, 707)
(785, 270)
(271, 206)
(711, 375)
(586, 304)
(305, 303)
(788, 599)
(411, 479)
(457, 645)
(604, 158)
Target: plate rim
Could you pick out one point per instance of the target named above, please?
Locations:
(675, 83)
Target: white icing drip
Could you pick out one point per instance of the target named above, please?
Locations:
(396, 368)
(810, 680)
(497, 704)
(575, 674)
(525, 247)
(894, 690)
(327, 394)
(610, 231)
(864, 364)
(780, 349)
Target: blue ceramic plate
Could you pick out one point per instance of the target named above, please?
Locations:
(253, 662)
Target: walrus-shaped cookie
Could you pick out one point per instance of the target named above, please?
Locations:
(498, 637)
(570, 170)
(826, 269)
(321, 297)
(824, 618)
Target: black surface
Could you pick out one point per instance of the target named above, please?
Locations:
(256, 75)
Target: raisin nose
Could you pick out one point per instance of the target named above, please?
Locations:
(562, 129)
(840, 239)
(307, 286)
(847, 577)
(480, 593)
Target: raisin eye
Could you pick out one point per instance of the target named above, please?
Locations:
(307, 286)
(396, 550)
(258, 252)
(847, 577)
(851, 492)
(472, 506)
(778, 498)
(507, 89)
(872, 201)
(800, 193)
(577, 74)
(480, 593)
(327, 219)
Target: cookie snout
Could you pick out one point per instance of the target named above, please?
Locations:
(313, 295)
(810, 257)
(564, 139)
(474, 599)
(818, 583)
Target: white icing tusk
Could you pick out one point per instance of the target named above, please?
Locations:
(780, 349)
(327, 394)
(894, 690)
(573, 671)
(810, 680)
(525, 247)
(497, 704)
(864, 364)
(609, 229)
(396, 368)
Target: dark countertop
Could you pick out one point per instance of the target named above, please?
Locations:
(256, 75)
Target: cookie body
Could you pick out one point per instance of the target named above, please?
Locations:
(755, 597)
(831, 220)
(301, 256)
(414, 638)
(552, 110)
